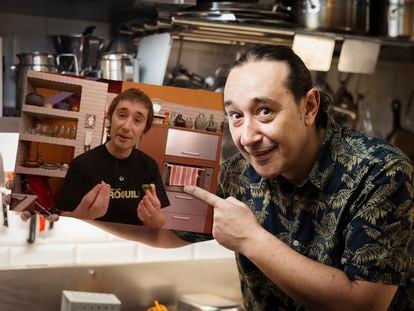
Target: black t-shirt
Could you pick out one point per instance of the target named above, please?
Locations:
(124, 175)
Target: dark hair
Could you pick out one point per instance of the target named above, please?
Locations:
(134, 95)
(299, 79)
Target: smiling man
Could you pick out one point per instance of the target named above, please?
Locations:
(320, 217)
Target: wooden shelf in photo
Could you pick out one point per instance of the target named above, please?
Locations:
(53, 81)
(48, 140)
(39, 171)
(51, 112)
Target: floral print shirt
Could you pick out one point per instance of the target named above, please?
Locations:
(354, 212)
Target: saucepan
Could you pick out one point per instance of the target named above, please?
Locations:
(399, 136)
(335, 15)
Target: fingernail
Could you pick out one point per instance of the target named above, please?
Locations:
(189, 188)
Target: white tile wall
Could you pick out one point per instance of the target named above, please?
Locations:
(70, 230)
(211, 250)
(74, 242)
(42, 255)
(4, 257)
(106, 253)
(151, 254)
(17, 232)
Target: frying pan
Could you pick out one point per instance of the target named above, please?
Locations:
(400, 137)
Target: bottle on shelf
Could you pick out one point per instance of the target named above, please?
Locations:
(211, 124)
(200, 122)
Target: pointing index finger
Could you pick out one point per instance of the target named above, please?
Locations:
(203, 195)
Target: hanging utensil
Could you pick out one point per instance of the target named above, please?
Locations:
(32, 229)
(2, 193)
(322, 84)
(400, 137)
(344, 109)
(5, 213)
(409, 115)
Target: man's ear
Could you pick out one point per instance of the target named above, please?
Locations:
(311, 106)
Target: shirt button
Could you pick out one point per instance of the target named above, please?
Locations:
(295, 243)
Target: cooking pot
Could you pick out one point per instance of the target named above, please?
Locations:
(36, 61)
(334, 15)
(119, 66)
(396, 18)
(85, 47)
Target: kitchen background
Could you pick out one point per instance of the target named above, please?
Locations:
(198, 59)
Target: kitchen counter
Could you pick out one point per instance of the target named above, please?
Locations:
(135, 285)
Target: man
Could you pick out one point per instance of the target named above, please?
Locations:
(111, 175)
(319, 217)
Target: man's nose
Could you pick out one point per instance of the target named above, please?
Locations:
(250, 133)
(127, 124)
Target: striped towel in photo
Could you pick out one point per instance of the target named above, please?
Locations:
(183, 175)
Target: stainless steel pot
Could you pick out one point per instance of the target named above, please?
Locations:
(86, 48)
(36, 61)
(334, 15)
(119, 66)
(397, 18)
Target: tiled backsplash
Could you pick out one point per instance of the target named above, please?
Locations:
(73, 242)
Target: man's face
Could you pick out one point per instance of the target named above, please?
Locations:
(127, 125)
(266, 123)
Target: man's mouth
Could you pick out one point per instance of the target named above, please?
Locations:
(260, 155)
(123, 137)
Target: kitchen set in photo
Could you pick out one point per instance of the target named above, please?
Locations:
(90, 56)
(51, 135)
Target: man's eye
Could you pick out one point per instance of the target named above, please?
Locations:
(265, 111)
(234, 115)
(122, 115)
(138, 120)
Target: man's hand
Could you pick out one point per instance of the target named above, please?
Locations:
(93, 205)
(149, 209)
(233, 224)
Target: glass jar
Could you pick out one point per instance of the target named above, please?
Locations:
(72, 132)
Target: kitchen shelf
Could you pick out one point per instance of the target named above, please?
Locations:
(199, 30)
(51, 112)
(39, 171)
(48, 140)
(54, 81)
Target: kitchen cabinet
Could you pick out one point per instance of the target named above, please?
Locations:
(50, 137)
(190, 144)
(185, 147)
(154, 141)
(194, 148)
